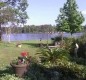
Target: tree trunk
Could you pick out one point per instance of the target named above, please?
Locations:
(0, 33)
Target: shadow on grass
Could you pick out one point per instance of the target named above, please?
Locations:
(35, 44)
(8, 70)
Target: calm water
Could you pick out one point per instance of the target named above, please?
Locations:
(32, 36)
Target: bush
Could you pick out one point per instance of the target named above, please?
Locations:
(82, 46)
(35, 72)
(59, 61)
(50, 56)
(82, 39)
(68, 69)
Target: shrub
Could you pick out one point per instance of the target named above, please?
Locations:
(50, 56)
(82, 46)
(82, 39)
(71, 69)
(59, 60)
(35, 72)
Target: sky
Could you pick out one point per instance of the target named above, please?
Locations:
(42, 12)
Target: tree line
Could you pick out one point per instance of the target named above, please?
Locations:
(29, 29)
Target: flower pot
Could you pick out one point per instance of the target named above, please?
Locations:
(20, 70)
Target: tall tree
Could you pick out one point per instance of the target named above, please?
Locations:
(70, 19)
(13, 11)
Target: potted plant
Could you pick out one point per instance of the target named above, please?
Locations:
(20, 65)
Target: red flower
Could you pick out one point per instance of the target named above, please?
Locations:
(24, 54)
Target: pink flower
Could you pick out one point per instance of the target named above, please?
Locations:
(19, 61)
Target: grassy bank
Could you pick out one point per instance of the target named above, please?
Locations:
(9, 51)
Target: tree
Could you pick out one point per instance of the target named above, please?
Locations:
(70, 19)
(13, 11)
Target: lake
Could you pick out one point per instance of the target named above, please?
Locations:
(34, 36)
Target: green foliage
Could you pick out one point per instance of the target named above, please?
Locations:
(80, 60)
(56, 39)
(50, 56)
(59, 59)
(13, 11)
(70, 68)
(82, 39)
(10, 77)
(23, 4)
(19, 7)
(2, 4)
(35, 72)
(70, 19)
(40, 28)
(67, 43)
(30, 29)
(8, 13)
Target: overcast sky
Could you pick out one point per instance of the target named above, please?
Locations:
(46, 11)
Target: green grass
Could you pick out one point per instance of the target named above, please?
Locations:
(9, 51)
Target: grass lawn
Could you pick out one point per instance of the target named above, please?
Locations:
(9, 51)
